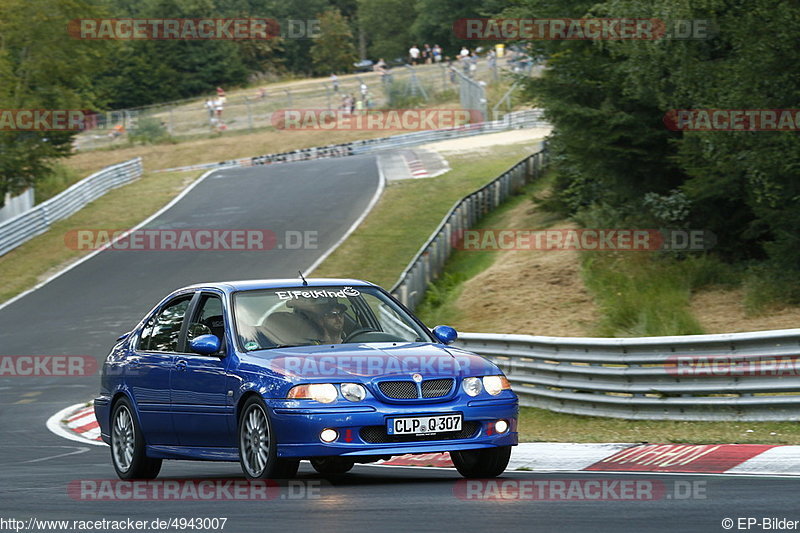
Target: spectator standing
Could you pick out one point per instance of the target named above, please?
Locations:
(219, 105)
(437, 53)
(428, 54)
(413, 54)
(210, 107)
(335, 82)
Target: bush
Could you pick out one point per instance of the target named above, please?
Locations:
(401, 94)
(149, 131)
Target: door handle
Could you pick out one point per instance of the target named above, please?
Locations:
(180, 365)
(133, 361)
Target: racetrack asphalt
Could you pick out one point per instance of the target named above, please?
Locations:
(82, 311)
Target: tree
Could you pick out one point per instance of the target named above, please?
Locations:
(333, 50)
(434, 20)
(608, 99)
(42, 67)
(386, 38)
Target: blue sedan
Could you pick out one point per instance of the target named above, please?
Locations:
(271, 372)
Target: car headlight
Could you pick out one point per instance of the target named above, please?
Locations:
(354, 392)
(494, 385)
(472, 386)
(321, 392)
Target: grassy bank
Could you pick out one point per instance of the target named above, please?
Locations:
(643, 294)
(440, 303)
(409, 211)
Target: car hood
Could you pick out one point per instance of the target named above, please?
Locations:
(368, 361)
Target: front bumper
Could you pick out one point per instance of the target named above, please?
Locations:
(297, 428)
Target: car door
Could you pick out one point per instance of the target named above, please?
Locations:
(202, 410)
(148, 370)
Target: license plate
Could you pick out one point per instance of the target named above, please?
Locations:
(416, 425)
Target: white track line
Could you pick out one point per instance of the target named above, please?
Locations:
(358, 221)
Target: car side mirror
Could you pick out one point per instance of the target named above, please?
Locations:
(445, 334)
(205, 344)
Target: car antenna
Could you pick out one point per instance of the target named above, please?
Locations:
(305, 283)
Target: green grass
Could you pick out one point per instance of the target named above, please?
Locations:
(540, 425)
(648, 294)
(407, 214)
(57, 181)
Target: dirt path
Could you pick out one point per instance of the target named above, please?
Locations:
(532, 292)
(722, 311)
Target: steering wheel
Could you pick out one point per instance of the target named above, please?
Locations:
(356, 333)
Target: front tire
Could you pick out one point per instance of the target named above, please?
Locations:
(332, 465)
(483, 463)
(258, 448)
(127, 445)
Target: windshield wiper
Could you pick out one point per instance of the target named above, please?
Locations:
(286, 346)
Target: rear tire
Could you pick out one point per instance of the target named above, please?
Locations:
(332, 465)
(483, 463)
(127, 445)
(258, 449)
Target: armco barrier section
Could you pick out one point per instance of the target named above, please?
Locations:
(429, 261)
(737, 376)
(35, 221)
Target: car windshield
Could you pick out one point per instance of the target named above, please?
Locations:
(301, 316)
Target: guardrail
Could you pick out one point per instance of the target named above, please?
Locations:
(35, 221)
(737, 376)
(429, 261)
(520, 119)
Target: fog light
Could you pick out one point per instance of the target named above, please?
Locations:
(328, 435)
(501, 426)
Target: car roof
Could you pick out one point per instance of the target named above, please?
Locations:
(291, 283)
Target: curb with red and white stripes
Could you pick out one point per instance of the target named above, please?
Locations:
(77, 422)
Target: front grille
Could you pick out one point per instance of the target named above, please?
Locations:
(400, 390)
(433, 388)
(378, 435)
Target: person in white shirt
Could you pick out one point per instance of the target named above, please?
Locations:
(413, 53)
